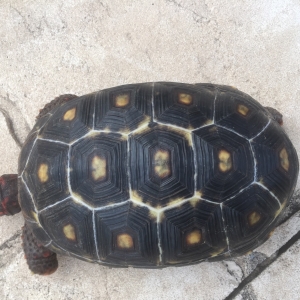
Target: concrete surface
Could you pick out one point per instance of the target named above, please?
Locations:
(51, 48)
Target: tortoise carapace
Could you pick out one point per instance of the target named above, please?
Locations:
(151, 175)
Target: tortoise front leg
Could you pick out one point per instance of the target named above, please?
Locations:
(40, 260)
(9, 204)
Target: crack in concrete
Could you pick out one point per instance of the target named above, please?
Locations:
(9, 108)
(10, 126)
(5, 245)
(263, 266)
(25, 22)
(196, 17)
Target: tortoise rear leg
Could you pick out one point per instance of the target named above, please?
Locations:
(9, 204)
(277, 116)
(40, 260)
(60, 100)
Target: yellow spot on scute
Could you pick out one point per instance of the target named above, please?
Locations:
(284, 159)
(162, 163)
(98, 168)
(242, 109)
(194, 237)
(185, 99)
(122, 100)
(225, 162)
(43, 173)
(70, 114)
(124, 241)
(254, 218)
(69, 232)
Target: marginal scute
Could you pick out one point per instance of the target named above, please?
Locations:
(48, 165)
(71, 121)
(43, 173)
(191, 233)
(70, 226)
(277, 162)
(186, 106)
(123, 109)
(239, 112)
(126, 235)
(284, 159)
(248, 218)
(70, 114)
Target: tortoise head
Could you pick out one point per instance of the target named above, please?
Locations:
(9, 204)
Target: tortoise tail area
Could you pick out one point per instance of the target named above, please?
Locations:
(40, 260)
(9, 204)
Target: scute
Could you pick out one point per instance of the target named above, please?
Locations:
(185, 106)
(123, 108)
(179, 222)
(27, 205)
(58, 222)
(133, 224)
(55, 188)
(244, 234)
(271, 172)
(240, 113)
(145, 180)
(112, 187)
(71, 121)
(219, 179)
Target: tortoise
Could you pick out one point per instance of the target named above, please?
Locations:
(151, 175)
